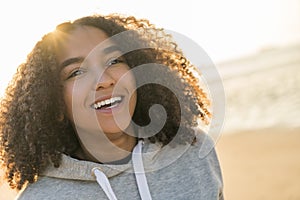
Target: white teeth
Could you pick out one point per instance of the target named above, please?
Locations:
(106, 102)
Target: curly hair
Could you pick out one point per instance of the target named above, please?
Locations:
(33, 132)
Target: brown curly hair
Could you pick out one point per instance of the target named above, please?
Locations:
(33, 132)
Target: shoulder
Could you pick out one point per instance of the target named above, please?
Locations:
(204, 163)
(203, 150)
(201, 159)
(200, 154)
(205, 144)
(44, 188)
(196, 165)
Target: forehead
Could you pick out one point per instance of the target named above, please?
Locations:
(80, 42)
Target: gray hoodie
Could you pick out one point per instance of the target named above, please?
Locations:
(185, 172)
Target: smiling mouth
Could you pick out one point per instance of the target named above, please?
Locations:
(108, 103)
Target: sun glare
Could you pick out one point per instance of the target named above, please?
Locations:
(28, 26)
(223, 30)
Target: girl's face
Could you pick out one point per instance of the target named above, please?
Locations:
(94, 91)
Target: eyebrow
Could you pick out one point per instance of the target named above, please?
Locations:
(76, 60)
(111, 49)
(71, 61)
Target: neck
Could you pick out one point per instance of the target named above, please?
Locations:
(105, 148)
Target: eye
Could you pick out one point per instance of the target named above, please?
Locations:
(75, 73)
(115, 61)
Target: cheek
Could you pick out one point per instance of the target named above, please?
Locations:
(132, 89)
(68, 93)
(132, 103)
(126, 80)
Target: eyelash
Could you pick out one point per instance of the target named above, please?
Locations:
(111, 62)
(74, 73)
(116, 61)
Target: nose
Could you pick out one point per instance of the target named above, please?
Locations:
(105, 80)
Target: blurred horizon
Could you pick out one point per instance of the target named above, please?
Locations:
(262, 90)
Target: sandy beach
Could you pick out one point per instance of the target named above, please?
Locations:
(260, 145)
(261, 165)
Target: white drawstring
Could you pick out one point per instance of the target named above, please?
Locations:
(104, 183)
(139, 172)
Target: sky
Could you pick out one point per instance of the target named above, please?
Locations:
(224, 29)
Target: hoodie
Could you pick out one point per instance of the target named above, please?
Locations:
(154, 172)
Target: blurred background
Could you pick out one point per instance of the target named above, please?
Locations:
(255, 46)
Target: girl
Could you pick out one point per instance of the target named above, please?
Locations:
(106, 107)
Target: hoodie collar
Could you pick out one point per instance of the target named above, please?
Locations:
(153, 155)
